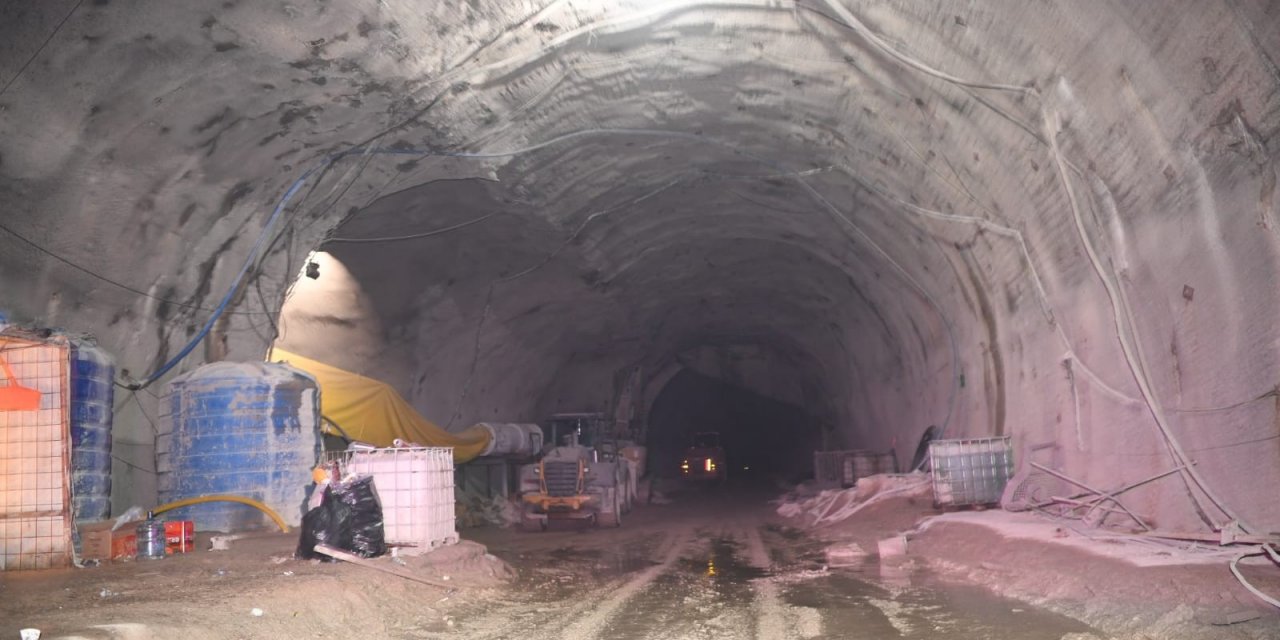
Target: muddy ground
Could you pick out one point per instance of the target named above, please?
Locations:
(711, 564)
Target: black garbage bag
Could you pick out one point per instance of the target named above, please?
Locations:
(364, 513)
(349, 518)
(315, 530)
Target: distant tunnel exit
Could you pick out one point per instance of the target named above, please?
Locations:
(761, 437)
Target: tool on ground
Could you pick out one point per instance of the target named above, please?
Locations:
(338, 554)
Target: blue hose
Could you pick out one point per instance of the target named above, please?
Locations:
(231, 291)
(257, 246)
(658, 133)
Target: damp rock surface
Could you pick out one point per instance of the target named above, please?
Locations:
(997, 219)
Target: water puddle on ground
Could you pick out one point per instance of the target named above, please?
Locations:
(721, 567)
(564, 572)
(712, 591)
(706, 594)
(892, 602)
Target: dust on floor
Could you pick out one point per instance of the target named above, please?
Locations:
(708, 565)
(1123, 588)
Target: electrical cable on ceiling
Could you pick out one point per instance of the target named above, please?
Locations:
(40, 49)
(831, 209)
(558, 42)
(845, 15)
(1046, 307)
(109, 281)
(493, 284)
(292, 229)
(1235, 444)
(919, 288)
(320, 167)
(589, 219)
(649, 15)
(1272, 393)
(1133, 355)
(231, 290)
(262, 300)
(867, 34)
(1124, 323)
(1134, 359)
(427, 234)
(378, 194)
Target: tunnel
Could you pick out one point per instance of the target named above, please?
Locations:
(762, 437)
(851, 220)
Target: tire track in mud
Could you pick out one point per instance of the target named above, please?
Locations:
(722, 587)
(583, 610)
(593, 622)
(705, 576)
(771, 619)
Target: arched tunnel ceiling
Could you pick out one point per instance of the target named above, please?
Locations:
(1006, 218)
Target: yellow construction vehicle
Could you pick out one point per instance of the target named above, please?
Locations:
(582, 477)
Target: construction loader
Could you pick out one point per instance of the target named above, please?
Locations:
(581, 476)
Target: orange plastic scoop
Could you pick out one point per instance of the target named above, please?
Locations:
(16, 397)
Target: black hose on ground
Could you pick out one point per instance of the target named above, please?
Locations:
(922, 449)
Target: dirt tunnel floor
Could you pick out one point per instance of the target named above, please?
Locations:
(712, 564)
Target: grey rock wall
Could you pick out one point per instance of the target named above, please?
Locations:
(1046, 220)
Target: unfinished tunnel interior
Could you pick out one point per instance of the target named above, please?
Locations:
(812, 225)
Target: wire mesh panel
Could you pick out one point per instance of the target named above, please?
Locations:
(828, 467)
(971, 471)
(844, 468)
(415, 486)
(35, 505)
(861, 464)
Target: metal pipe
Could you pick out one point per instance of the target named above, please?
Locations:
(1132, 486)
(1076, 504)
(1135, 485)
(1082, 485)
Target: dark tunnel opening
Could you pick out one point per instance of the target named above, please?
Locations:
(763, 438)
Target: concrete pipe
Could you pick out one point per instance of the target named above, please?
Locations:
(512, 439)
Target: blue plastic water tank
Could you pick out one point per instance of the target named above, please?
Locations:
(245, 429)
(92, 373)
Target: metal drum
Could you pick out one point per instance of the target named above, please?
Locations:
(243, 429)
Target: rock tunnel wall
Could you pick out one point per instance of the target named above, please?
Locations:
(1001, 217)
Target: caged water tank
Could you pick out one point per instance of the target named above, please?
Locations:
(244, 429)
(92, 376)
